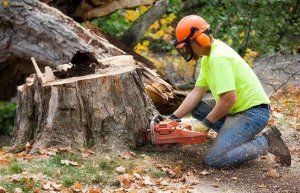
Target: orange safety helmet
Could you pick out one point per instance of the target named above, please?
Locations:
(188, 28)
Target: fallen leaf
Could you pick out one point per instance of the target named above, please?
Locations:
(139, 169)
(137, 176)
(204, 173)
(27, 147)
(15, 178)
(215, 185)
(262, 186)
(234, 178)
(125, 180)
(2, 190)
(37, 190)
(95, 190)
(64, 149)
(18, 190)
(273, 173)
(120, 169)
(127, 155)
(271, 122)
(56, 186)
(77, 185)
(177, 169)
(68, 162)
(47, 186)
(148, 181)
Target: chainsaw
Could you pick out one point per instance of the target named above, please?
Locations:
(172, 132)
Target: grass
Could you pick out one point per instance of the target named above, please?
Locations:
(93, 170)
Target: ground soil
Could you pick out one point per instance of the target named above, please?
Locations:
(250, 177)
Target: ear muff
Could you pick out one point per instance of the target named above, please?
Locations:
(203, 40)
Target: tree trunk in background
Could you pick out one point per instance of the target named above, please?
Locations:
(139, 27)
(108, 111)
(87, 9)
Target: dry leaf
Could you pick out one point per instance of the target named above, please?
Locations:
(271, 122)
(2, 190)
(148, 181)
(262, 186)
(178, 169)
(18, 190)
(15, 178)
(68, 162)
(204, 173)
(127, 155)
(42, 151)
(77, 185)
(56, 186)
(137, 176)
(27, 147)
(139, 169)
(47, 186)
(120, 169)
(125, 180)
(215, 185)
(64, 149)
(37, 190)
(234, 178)
(273, 173)
(95, 190)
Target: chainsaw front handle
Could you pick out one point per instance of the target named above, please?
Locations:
(157, 118)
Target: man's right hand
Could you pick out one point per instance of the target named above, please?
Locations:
(173, 117)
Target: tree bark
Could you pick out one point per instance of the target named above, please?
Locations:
(108, 111)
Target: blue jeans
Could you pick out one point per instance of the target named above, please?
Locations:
(236, 142)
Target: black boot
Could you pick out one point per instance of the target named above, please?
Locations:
(277, 146)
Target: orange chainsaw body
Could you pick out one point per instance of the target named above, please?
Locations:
(174, 132)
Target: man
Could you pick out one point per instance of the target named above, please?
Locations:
(240, 109)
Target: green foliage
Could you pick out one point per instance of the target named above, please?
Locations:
(264, 26)
(114, 25)
(7, 114)
(174, 6)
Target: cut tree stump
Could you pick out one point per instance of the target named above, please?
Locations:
(107, 111)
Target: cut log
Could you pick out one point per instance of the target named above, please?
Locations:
(108, 111)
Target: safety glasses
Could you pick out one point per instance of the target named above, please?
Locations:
(184, 46)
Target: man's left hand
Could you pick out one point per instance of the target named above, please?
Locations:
(199, 127)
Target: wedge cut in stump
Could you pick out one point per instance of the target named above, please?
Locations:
(108, 111)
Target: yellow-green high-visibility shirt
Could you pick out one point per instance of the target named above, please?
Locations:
(224, 70)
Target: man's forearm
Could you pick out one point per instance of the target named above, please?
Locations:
(222, 107)
(190, 102)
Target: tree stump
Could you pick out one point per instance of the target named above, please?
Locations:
(108, 111)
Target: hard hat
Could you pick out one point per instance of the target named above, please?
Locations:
(183, 28)
(188, 28)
